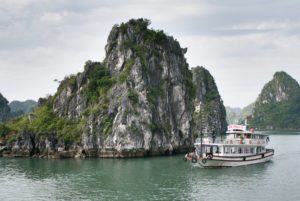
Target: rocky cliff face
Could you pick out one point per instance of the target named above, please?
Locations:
(139, 101)
(281, 88)
(277, 106)
(210, 113)
(4, 109)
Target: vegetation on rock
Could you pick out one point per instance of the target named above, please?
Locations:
(278, 105)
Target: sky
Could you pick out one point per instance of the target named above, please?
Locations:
(241, 43)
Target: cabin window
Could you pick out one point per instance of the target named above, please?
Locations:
(258, 150)
(240, 150)
(251, 150)
(232, 150)
(226, 150)
(207, 149)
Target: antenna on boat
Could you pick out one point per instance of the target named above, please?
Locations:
(246, 123)
(201, 131)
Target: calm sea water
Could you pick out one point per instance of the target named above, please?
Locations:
(157, 178)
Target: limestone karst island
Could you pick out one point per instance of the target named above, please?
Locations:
(143, 99)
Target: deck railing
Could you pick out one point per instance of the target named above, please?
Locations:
(245, 141)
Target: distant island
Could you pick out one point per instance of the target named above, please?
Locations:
(278, 105)
(141, 100)
(276, 108)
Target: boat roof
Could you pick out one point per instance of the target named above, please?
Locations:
(241, 129)
(222, 144)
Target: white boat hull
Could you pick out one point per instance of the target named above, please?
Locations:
(219, 161)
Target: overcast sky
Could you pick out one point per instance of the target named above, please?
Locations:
(242, 43)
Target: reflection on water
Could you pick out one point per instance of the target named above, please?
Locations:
(158, 178)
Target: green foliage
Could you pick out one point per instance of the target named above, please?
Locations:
(141, 51)
(139, 25)
(69, 81)
(167, 129)
(19, 124)
(107, 125)
(96, 109)
(134, 129)
(133, 96)
(284, 115)
(152, 97)
(153, 93)
(45, 123)
(152, 36)
(125, 72)
(4, 130)
(100, 81)
(211, 95)
(155, 128)
(191, 88)
(269, 113)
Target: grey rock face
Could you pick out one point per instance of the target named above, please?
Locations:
(281, 88)
(277, 106)
(4, 109)
(71, 101)
(158, 122)
(210, 113)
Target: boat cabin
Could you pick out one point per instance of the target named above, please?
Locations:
(237, 142)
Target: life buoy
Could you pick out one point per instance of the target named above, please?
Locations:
(209, 157)
(194, 160)
(203, 161)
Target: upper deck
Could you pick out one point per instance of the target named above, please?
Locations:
(237, 135)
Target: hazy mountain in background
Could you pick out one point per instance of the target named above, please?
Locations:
(238, 115)
(18, 108)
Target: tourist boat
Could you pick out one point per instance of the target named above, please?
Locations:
(238, 147)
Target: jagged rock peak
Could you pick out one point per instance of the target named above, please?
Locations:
(281, 88)
(210, 113)
(206, 88)
(278, 104)
(132, 39)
